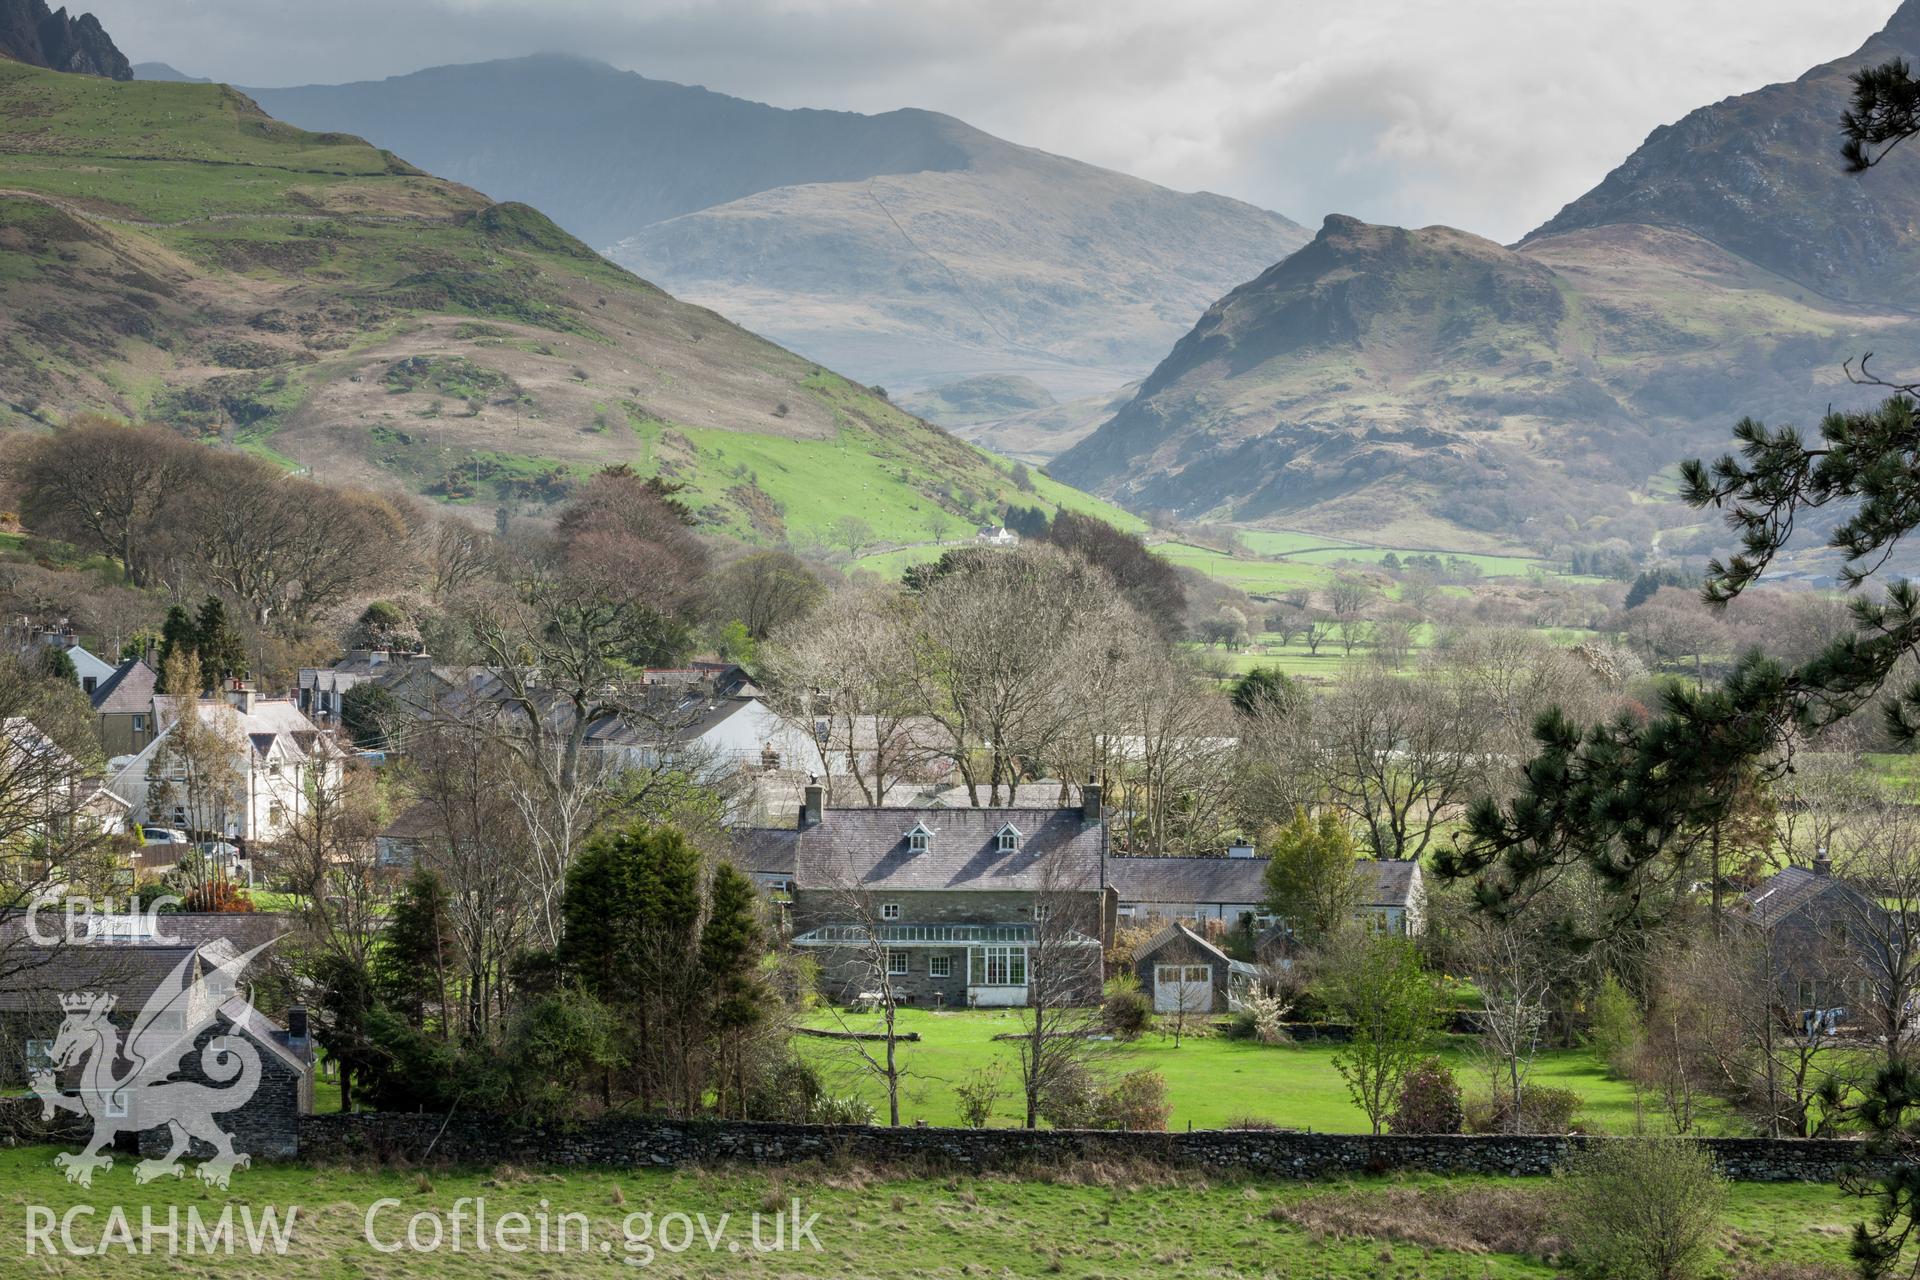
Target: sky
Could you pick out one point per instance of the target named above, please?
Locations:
(1481, 114)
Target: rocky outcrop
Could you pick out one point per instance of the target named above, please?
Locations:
(31, 34)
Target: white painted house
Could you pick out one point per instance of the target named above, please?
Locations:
(277, 755)
(90, 671)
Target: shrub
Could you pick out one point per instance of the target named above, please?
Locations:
(1542, 1110)
(1258, 1123)
(1642, 1209)
(849, 1109)
(1615, 1031)
(785, 1090)
(1261, 1017)
(552, 1048)
(1127, 1012)
(978, 1094)
(1137, 1100)
(1429, 1101)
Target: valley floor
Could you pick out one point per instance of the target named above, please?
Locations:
(1111, 1223)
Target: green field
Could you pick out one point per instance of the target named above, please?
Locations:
(1211, 1081)
(1087, 1222)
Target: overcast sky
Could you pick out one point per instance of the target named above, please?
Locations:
(1482, 114)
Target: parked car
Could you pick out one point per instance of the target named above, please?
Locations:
(163, 835)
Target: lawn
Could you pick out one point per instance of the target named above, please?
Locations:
(1108, 1223)
(1211, 1081)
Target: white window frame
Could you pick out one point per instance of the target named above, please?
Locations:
(997, 966)
(939, 966)
(1042, 912)
(897, 966)
(889, 911)
(1007, 839)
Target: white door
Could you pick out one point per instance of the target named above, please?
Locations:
(1182, 988)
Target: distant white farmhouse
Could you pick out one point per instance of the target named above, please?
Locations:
(997, 535)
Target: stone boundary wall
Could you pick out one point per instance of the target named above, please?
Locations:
(667, 1144)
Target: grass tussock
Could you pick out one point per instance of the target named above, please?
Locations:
(1469, 1219)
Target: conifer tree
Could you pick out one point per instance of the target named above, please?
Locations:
(223, 656)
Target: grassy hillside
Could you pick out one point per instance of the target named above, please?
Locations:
(169, 251)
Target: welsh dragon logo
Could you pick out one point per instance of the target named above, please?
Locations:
(127, 1086)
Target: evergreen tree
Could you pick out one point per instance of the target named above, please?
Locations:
(223, 656)
(417, 945)
(177, 637)
(730, 954)
(57, 664)
(1264, 688)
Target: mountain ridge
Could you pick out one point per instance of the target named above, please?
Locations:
(908, 248)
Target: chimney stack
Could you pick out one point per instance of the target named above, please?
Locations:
(240, 694)
(816, 798)
(1822, 865)
(1090, 801)
(1239, 851)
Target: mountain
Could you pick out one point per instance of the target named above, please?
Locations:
(170, 251)
(161, 71)
(31, 34)
(1759, 174)
(1038, 436)
(1435, 388)
(907, 248)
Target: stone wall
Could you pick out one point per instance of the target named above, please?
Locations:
(666, 1144)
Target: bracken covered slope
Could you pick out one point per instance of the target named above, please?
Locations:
(168, 250)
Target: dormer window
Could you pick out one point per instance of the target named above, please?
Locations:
(1007, 839)
(919, 838)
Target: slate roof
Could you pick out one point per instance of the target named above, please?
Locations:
(867, 849)
(766, 851)
(1177, 930)
(271, 721)
(1188, 880)
(1785, 892)
(1392, 881)
(129, 690)
(417, 821)
(131, 970)
(1384, 883)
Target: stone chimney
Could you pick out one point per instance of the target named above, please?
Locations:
(1822, 865)
(816, 798)
(1239, 851)
(240, 694)
(1090, 801)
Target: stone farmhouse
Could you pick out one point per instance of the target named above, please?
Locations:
(949, 907)
(1822, 934)
(1232, 889)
